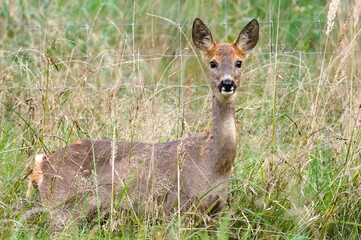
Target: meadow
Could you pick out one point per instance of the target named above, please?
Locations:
(127, 70)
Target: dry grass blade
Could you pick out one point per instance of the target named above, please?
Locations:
(331, 15)
(357, 11)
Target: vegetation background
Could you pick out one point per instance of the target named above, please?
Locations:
(127, 70)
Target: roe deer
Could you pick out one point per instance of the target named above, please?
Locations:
(92, 175)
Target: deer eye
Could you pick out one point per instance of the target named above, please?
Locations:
(239, 64)
(213, 64)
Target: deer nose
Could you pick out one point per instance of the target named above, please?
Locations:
(227, 86)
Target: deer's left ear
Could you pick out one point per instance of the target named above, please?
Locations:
(202, 37)
(248, 37)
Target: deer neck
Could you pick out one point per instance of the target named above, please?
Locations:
(222, 145)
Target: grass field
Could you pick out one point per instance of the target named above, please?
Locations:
(127, 70)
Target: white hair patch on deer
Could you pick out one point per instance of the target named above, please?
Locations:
(37, 174)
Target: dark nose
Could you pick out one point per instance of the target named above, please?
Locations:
(227, 86)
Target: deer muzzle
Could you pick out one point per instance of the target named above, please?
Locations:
(227, 87)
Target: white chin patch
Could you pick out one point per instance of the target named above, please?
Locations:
(224, 92)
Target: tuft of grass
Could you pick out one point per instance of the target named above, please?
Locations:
(105, 70)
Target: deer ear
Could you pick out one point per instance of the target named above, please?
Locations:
(248, 37)
(202, 37)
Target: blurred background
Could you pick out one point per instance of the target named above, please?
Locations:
(127, 70)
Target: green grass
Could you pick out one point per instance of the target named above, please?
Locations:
(94, 69)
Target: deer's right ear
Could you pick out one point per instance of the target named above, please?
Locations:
(202, 37)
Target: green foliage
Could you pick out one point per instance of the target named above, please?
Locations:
(98, 69)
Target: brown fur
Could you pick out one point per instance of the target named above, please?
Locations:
(36, 176)
(221, 50)
(78, 142)
(78, 179)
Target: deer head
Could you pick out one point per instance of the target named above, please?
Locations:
(225, 59)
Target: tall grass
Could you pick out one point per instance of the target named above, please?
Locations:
(110, 70)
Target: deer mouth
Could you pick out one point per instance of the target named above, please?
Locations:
(227, 87)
